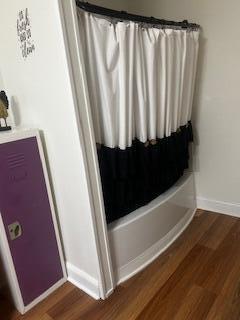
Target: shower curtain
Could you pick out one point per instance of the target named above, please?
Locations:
(141, 82)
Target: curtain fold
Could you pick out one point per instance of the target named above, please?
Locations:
(141, 83)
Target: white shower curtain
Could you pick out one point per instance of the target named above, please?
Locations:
(141, 83)
(141, 80)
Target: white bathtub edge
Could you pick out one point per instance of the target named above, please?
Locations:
(154, 204)
(142, 261)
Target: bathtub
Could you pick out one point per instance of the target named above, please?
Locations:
(139, 238)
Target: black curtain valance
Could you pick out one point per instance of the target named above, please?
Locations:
(123, 15)
(133, 177)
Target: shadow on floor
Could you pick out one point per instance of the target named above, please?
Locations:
(7, 311)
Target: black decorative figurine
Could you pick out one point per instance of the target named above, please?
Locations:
(4, 104)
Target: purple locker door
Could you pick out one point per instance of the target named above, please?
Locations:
(24, 199)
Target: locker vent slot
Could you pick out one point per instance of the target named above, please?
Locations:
(16, 160)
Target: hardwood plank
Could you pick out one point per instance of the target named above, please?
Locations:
(72, 306)
(171, 296)
(45, 317)
(197, 304)
(227, 304)
(217, 270)
(217, 232)
(65, 303)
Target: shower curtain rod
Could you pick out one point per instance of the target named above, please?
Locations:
(123, 15)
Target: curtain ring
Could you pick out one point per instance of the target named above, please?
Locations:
(146, 144)
(142, 26)
(110, 22)
(153, 142)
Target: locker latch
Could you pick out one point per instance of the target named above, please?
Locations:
(15, 230)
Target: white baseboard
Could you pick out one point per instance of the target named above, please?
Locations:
(108, 293)
(230, 209)
(83, 281)
(129, 270)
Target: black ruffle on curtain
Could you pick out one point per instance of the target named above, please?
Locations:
(133, 177)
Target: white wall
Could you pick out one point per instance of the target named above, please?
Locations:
(217, 98)
(40, 89)
(1, 81)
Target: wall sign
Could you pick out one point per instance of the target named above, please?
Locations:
(24, 33)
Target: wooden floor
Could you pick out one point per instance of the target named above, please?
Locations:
(198, 277)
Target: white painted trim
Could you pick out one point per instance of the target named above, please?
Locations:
(142, 261)
(78, 81)
(17, 134)
(109, 293)
(50, 198)
(83, 281)
(230, 209)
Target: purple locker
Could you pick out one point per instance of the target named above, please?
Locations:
(24, 199)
